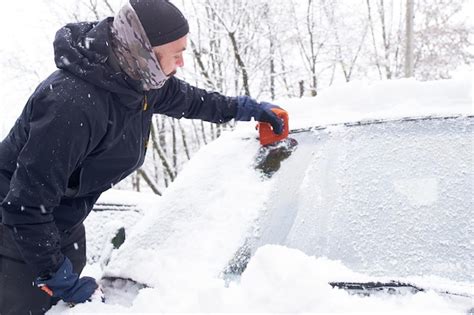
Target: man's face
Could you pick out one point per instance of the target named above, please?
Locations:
(170, 55)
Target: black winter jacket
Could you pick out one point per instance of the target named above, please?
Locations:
(83, 130)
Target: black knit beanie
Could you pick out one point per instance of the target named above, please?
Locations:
(162, 21)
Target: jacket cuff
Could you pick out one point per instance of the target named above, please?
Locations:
(246, 108)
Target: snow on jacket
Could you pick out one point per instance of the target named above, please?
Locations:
(83, 130)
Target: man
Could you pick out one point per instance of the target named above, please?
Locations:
(83, 130)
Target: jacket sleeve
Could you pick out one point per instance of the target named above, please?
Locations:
(56, 139)
(179, 99)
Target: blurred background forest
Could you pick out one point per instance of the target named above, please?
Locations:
(268, 49)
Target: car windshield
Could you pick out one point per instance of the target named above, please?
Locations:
(385, 198)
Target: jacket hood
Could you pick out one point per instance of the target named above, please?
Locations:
(84, 49)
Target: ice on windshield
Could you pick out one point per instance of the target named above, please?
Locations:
(386, 199)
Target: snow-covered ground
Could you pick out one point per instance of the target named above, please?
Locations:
(182, 244)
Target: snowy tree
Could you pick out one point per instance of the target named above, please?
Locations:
(409, 17)
(442, 38)
(346, 47)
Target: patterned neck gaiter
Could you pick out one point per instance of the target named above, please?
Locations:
(133, 50)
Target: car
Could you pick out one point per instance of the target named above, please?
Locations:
(389, 198)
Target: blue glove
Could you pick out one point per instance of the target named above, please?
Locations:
(66, 285)
(248, 108)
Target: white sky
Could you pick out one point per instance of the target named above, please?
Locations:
(27, 30)
(24, 21)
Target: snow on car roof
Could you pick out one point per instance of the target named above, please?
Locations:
(393, 99)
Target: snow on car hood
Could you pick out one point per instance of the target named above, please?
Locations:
(201, 219)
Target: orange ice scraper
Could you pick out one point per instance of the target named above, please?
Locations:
(267, 136)
(274, 148)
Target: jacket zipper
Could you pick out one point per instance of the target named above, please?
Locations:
(145, 103)
(144, 108)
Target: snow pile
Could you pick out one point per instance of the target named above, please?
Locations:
(277, 280)
(181, 247)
